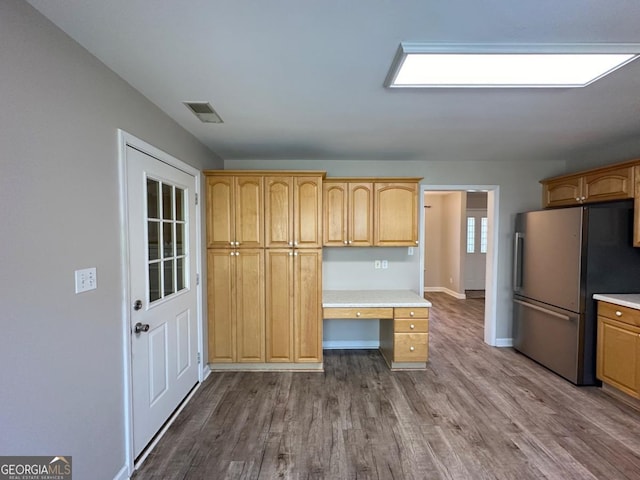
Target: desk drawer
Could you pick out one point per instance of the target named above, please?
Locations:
(407, 312)
(410, 347)
(411, 325)
(331, 312)
(619, 313)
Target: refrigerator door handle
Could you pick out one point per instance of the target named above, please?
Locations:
(518, 240)
(544, 310)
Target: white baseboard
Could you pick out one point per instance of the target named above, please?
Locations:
(122, 474)
(206, 370)
(504, 342)
(350, 344)
(459, 296)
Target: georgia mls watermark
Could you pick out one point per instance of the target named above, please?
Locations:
(35, 468)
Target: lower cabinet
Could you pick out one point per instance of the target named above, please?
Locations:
(294, 305)
(404, 341)
(236, 320)
(618, 351)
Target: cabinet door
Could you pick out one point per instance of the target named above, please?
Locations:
(396, 221)
(307, 212)
(618, 355)
(360, 214)
(249, 305)
(279, 304)
(334, 200)
(616, 184)
(308, 305)
(220, 211)
(249, 221)
(562, 191)
(278, 212)
(220, 301)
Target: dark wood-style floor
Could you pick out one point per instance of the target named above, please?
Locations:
(477, 412)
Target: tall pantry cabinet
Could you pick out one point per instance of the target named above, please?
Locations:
(264, 233)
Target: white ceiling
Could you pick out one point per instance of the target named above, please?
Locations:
(303, 79)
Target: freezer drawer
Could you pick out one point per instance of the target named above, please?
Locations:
(548, 335)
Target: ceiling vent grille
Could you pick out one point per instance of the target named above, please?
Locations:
(204, 111)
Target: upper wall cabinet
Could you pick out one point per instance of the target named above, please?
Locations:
(234, 211)
(614, 182)
(605, 184)
(293, 211)
(396, 213)
(347, 213)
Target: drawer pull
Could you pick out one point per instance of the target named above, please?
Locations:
(411, 349)
(357, 314)
(618, 313)
(412, 326)
(411, 314)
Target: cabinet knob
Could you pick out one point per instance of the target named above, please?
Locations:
(411, 349)
(357, 314)
(583, 198)
(291, 244)
(295, 243)
(345, 242)
(618, 313)
(291, 254)
(416, 242)
(411, 314)
(237, 243)
(412, 326)
(577, 199)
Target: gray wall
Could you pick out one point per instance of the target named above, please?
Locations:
(61, 353)
(519, 190)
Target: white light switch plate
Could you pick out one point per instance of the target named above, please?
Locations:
(86, 279)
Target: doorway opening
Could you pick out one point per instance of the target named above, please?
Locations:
(459, 244)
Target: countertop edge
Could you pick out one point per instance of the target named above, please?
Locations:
(374, 299)
(630, 300)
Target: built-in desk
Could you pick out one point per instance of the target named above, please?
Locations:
(404, 321)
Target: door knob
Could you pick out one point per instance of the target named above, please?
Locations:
(141, 327)
(137, 305)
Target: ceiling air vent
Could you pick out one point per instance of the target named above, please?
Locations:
(204, 111)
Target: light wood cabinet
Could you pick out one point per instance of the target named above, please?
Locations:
(293, 211)
(234, 211)
(294, 305)
(396, 214)
(236, 305)
(404, 341)
(618, 348)
(347, 213)
(600, 185)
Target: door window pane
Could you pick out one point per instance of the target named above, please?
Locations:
(484, 228)
(179, 239)
(169, 287)
(167, 201)
(167, 239)
(179, 204)
(471, 234)
(153, 199)
(154, 239)
(154, 282)
(180, 274)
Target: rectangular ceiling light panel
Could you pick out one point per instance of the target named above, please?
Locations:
(527, 66)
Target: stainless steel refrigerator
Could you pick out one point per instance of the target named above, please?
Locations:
(561, 258)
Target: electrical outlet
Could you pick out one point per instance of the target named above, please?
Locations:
(385, 264)
(86, 279)
(410, 251)
(376, 264)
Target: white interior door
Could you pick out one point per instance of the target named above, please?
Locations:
(475, 264)
(162, 269)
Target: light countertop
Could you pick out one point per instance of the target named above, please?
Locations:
(631, 300)
(372, 299)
